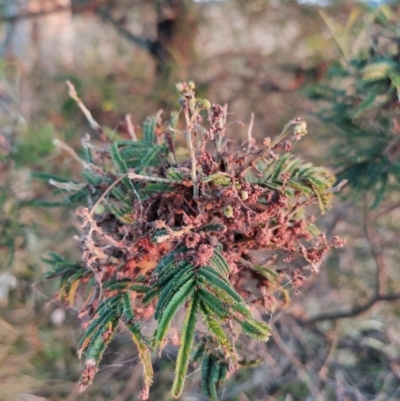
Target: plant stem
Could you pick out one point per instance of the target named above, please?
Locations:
(92, 122)
(139, 177)
(189, 141)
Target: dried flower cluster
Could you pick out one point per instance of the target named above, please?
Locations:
(218, 232)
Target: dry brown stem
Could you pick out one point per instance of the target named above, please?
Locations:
(92, 122)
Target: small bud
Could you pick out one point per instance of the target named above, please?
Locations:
(206, 104)
(244, 195)
(228, 211)
(300, 128)
(267, 142)
(100, 209)
(180, 87)
(191, 85)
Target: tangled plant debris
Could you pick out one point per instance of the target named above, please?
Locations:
(218, 232)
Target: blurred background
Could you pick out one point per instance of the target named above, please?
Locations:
(334, 63)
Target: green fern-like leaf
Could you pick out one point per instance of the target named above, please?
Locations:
(129, 144)
(92, 178)
(140, 342)
(250, 363)
(134, 155)
(122, 214)
(152, 157)
(149, 127)
(120, 163)
(168, 260)
(101, 339)
(144, 355)
(187, 338)
(182, 276)
(174, 174)
(205, 372)
(279, 167)
(215, 328)
(257, 330)
(117, 285)
(301, 187)
(219, 263)
(122, 196)
(157, 187)
(105, 312)
(213, 373)
(219, 284)
(170, 310)
(213, 303)
(164, 279)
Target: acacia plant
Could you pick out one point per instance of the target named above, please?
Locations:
(217, 232)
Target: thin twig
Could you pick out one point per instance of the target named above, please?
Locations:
(188, 138)
(299, 367)
(352, 312)
(225, 114)
(337, 188)
(324, 368)
(220, 134)
(92, 122)
(268, 149)
(387, 210)
(175, 131)
(281, 136)
(63, 146)
(249, 133)
(130, 127)
(133, 176)
(241, 123)
(193, 161)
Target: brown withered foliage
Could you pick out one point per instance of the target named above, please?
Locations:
(261, 219)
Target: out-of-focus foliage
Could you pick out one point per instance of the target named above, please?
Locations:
(360, 98)
(358, 101)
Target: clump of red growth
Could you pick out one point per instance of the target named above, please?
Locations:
(264, 233)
